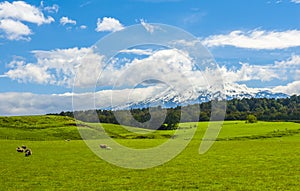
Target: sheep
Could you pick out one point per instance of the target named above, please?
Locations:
(28, 152)
(20, 150)
(174, 136)
(104, 146)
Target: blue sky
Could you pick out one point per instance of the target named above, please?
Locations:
(256, 43)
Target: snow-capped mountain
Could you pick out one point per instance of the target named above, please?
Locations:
(242, 91)
(169, 98)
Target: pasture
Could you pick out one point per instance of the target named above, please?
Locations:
(261, 156)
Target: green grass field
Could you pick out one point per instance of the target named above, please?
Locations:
(261, 156)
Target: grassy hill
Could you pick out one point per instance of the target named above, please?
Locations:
(38, 128)
(42, 128)
(48, 127)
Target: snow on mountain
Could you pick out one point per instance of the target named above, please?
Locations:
(169, 98)
(241, 91)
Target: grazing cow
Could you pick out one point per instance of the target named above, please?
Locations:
(20, 150)
(24, 146)
(28, 152)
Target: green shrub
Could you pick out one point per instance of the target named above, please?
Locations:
(251, 119)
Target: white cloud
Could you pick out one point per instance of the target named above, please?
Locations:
(25, 103)
(296, 74)
(15, 30)
(169, 66)
(174, 68)
(57, 67)
(83, 27)
(24, 72)
(66, 20)
(21, 11)
(108, 24)
(138, 51)
(256, 39)
(294, 61)
(185, 43)
(249, 72)
(279, 70)
(15, 103)
(295, 1)
(290, 89)
(52, 9)
(12, 16)
(148, 27)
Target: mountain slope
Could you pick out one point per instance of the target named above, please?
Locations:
(169, 98)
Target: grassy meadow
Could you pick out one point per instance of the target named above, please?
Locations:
(260, 156)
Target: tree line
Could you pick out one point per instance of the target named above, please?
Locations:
(283, 109)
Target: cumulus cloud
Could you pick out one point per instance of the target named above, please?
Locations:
(66, 20)
(12, 16)
(24, 72)
(170, 66)
(108, 24)
(59, 67)
(165, 65)
(15, 30)
(280, 70)
(56, 67)
(294, 61)
(290, 89)
(256, 39)
(249, 72)
(20, 10)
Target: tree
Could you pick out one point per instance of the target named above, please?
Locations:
(251, 119)
(265, 109)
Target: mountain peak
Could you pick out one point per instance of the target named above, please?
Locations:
(169, 98)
